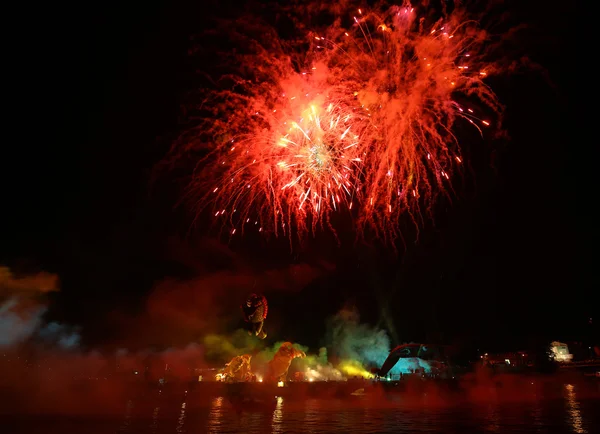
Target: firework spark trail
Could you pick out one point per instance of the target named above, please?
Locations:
(364, 124)
(408, 77)
(290, 166)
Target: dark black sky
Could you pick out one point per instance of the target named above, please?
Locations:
(510, 258)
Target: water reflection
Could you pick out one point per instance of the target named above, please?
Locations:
(311, 412)
(537, 415)
(181, 419)
(573, 410)
(154, 423)
(127, 420)
(374, 417)
(493, 419)
(199, 414)
(215, 415)
(277, 420)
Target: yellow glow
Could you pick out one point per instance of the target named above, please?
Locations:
(280, 384)
(353, 368)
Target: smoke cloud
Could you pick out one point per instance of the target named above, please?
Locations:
(23, 304)
(47, 371)
(18, 322)
(185, 326)
(205, 296)
(358, 346)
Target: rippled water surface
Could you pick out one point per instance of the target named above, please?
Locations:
(156, 413)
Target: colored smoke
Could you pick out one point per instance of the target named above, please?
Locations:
(352, 348)
(318, 368)
(358, 347)
(23, 304)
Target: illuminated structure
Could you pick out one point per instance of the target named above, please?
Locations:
(238, 369)
(423, 358)
(560, 352)
(277, 368)
(511, 359)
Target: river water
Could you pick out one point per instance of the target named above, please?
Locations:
(570, 408)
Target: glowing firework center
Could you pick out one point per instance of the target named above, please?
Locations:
(319, 156)
(321, 152)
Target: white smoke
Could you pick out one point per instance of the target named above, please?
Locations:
(23, 304)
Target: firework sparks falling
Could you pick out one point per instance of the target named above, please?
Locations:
(298, 165)
(409, 77)
(365, 124)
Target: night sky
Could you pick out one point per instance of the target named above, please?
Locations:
(508, 261)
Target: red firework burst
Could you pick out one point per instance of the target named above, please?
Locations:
(291, 162)
(409, 76)
(367, 126)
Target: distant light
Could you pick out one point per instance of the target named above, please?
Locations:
(136, 372)
(280, 384)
